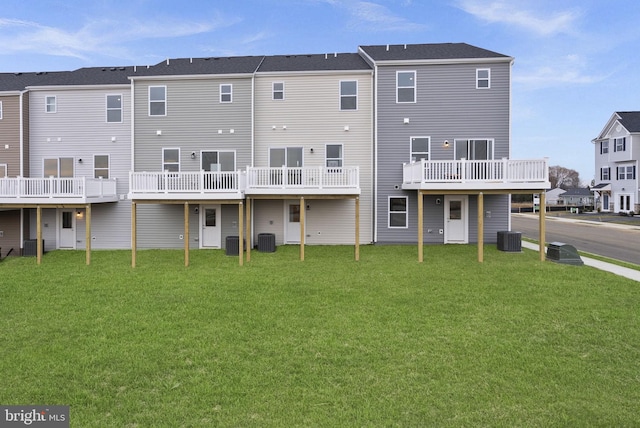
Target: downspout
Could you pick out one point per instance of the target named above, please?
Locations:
(21, 115)
(132, 126)
(375, 154)
(253, 138)
(510, 95)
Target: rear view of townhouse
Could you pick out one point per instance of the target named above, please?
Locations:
(617, 154)
(392, 144)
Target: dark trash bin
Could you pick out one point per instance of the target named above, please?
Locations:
(510, 241)
(267, 242)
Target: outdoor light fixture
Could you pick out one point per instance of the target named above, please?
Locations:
(446, 143)
(406, 120)
(78, 214)
(193, 155)
(311, 149)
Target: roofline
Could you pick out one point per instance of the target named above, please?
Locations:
(509, 59)
(12, 92)
(72, 87)
(191, 76)
(312, 72)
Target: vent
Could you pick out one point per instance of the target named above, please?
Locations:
(560, 252)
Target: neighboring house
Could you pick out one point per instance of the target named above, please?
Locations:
(576, 196)
(313, 149)
(443, 167)
(617, 152)
(79, 159)
(553, 196)
(193, 135)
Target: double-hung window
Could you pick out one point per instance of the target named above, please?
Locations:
(481, 149)
(627, 172)
(3, 170)
(171, 160)
(605, 173)
(157, 100)
(50, 104)
(604, 147)
(419, 148)
(334, 157)
(483, 78)
(114, 108)
(619, 144)
(406, 87)
(398, 212)
(226, 93)
(101, 166)
(278, 91)
(349, 95)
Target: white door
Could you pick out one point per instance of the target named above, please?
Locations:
(210, 216)
(67, 229)
(292, 222)
(455, 219)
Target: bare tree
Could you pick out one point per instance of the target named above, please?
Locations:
(563, 178)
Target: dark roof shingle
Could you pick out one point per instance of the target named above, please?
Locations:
(430, 51)
(315, 62)
(630, 120)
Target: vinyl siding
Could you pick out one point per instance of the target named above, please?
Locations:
(10, 134)
(268, 217)
(312, 116)
(10, 227)
(79, 130)
(448, 107)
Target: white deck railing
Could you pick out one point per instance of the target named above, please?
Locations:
(464, 171)
(52, 187)
(303, 178)
(186, 182)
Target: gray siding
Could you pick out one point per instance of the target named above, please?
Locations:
(10, 227)
(79, 130)
(10, 134)
(312, 116)
(448, 107)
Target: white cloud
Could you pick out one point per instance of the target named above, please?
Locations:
(572, 69)
(370, 16)
(511, 13)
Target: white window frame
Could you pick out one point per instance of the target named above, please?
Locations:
(412, 157)
(164, 163)
(605, 173)
(0, 110)
(58, 166)
(625, 172)
(163, 101)
(604, 147)
(619, 144)
(226, 93)
(275, 91)
(344, 96)
(108, 109)
(108, 168)
(414, 87)
(218, 152)
(467, 141)
(50, 107)
(406, 212)
(339, 160)
(3, 166)
(483, 79)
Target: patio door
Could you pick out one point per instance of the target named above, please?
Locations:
(292, 222)
(210, 216)
(67, 229)
(456, 219)
(291, 157)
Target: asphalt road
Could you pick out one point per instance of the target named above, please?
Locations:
(620, 243)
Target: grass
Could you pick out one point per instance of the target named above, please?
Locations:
(325, 342)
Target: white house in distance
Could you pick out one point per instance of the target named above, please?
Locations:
(617, 152)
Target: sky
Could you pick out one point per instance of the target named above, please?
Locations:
(576, 61)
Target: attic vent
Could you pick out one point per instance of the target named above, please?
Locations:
(18, 74)
(405, 46)
(387, 47)
(325, 56)
(122, 68)
(113, 69)
(167, 61)
(335, 54)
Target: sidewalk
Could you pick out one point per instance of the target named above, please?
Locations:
(609, 267)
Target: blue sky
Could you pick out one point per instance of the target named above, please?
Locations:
(576, 62)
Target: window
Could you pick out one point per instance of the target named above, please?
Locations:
(54, 167)
(278, 90)
(334, 156)
(226, 93)
(483, 78)
(3, 169)
(398, 212)
(157, 100)
(419, 148)
(50, 104)
(0, 109)
(406, 87)
(114, 108)
(218, 161)
(619, 144)
(627, 172)
(349, 95)
(101, 166)
(605, 173)
(171, 160)
(286, 156)
(474, 149)
(604, 147)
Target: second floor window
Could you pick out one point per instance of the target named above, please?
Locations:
(278, 90)
(50, 104)
(349, 95)
(419, 148)
(101, 166)
(605, 173)
(226, 93)
(157, 100)
(619, 144)
(58, 167)
(3, 170)
(483, 78)
(334, 155)
(604, 147)
(627, 172)
(474, 149)
(114, 108)
(406, 87)
(171, 160)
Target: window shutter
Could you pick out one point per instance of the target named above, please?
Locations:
(600, 149)
(624, 144)
(617, 173)
(614, 145)
(609, 171)
(634, 172)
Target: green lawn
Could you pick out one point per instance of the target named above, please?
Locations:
(385, 341)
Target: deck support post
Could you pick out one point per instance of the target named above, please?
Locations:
(357, 227)
(186, 234)
(88, 233)
(133, 234)
(420, 226)
(302, 232)
(39, 248)
(541, 214)
(240, 233)
(480, 227)
(248, 226)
